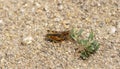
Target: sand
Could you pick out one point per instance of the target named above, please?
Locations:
(24, 24)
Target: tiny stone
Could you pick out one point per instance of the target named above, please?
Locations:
(101, 24)
(46, 8)
(118, 25)
(99, 4)
(5, 8)
(1, 21)
(60, 7)
(37, 4)
(112, 30)
(27, 40)
(57, 19)
(3, 60)
(22, 10)
(33, 9)
(26, 5)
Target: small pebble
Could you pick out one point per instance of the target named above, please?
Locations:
(46, 7)
(27, 40)
(112, 30)
(22, 10)
(60, 7)
(99, 4)
(33, 9)
(57, 19)
(118, 25)
(1, 21)
(37, 4)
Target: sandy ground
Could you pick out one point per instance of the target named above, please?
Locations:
(23, 25)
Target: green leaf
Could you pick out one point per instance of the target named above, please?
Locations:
(91, 36)
(93, 47)
(72, 34)
(80, 32)
(96, 45)
(90, 45)
(83, 42)
(90, 49)
(84, 54)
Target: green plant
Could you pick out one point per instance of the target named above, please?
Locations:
(90, 44)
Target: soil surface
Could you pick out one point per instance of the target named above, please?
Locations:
(24, 24)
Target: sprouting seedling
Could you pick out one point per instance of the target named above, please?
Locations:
(75, 35)
(91, 49)
(91, 36)
(80, 32)
(90, 45)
